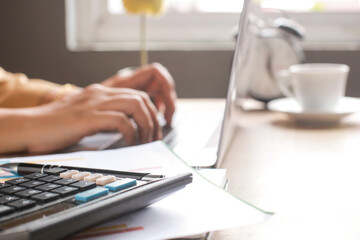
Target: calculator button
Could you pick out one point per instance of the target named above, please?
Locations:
(22, 204)
(93, 177)
(5, 210)
(68, 174)
(34, 176)
(4, 185)
(105, 180)
(6, 199)
(55, 170)
(45, 197)
(65, 191)
(18, 181)
(12, 190)
(121, 184)
(80, 175)
(91, 194)
(32, 184)
(50, 178)
(66, 181)
(84, 185)
(27, 193)
(47, 187)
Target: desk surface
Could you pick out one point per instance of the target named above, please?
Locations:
(310, 177)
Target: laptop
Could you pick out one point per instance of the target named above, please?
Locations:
(201, 134)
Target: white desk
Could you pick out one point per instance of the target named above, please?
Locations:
(310, 177)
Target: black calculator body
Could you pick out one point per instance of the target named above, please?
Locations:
(29, 210)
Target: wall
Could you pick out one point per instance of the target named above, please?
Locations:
(32, 41)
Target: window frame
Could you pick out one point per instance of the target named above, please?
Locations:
(89, 26)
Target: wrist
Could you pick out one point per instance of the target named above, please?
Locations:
(59, 93)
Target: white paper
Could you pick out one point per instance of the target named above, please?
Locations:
(199, 207)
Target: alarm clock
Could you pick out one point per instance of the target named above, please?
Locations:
(274, 47)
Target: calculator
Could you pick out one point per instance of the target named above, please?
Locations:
(55, 204)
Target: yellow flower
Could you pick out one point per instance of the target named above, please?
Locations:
(318, 7)
(152, 7)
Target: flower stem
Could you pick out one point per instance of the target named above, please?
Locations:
(144, 53)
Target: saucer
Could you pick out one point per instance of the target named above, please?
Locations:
(347, 106)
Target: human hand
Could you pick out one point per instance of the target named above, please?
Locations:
(153, 79)
(96, 108)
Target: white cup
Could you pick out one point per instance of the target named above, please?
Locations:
(317, 87)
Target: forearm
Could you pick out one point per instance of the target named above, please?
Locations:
(33, 129)
(40, 129)
(35, 92)
(18, 91)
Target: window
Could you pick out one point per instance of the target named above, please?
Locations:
(205, 24)
(102, 25)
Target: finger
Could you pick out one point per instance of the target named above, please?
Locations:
(163, 74)
(134, 107)
(153, 114)
(169, 102)
(166, 91)
(166, 104)
(108, 91)
(110, 120)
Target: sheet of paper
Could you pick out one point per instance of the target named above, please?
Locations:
(200, 207)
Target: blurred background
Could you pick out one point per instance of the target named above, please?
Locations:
(83, 42)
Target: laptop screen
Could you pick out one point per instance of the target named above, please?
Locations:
(238, 81)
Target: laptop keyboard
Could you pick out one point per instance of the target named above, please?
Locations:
(39, 190)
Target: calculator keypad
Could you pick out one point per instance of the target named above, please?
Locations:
(36, 175)
(45, 197)
(26, 192)
(47, 187)
(65, 191)
(5, 210)
(84, 185)
(12, 190)
(6, 199)
(32, 184)
(49, 179)
(66, 181)
(18, 181)
(4, 185)
(22, 204)
(91, 194)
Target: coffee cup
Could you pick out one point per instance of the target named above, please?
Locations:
(317, 87)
